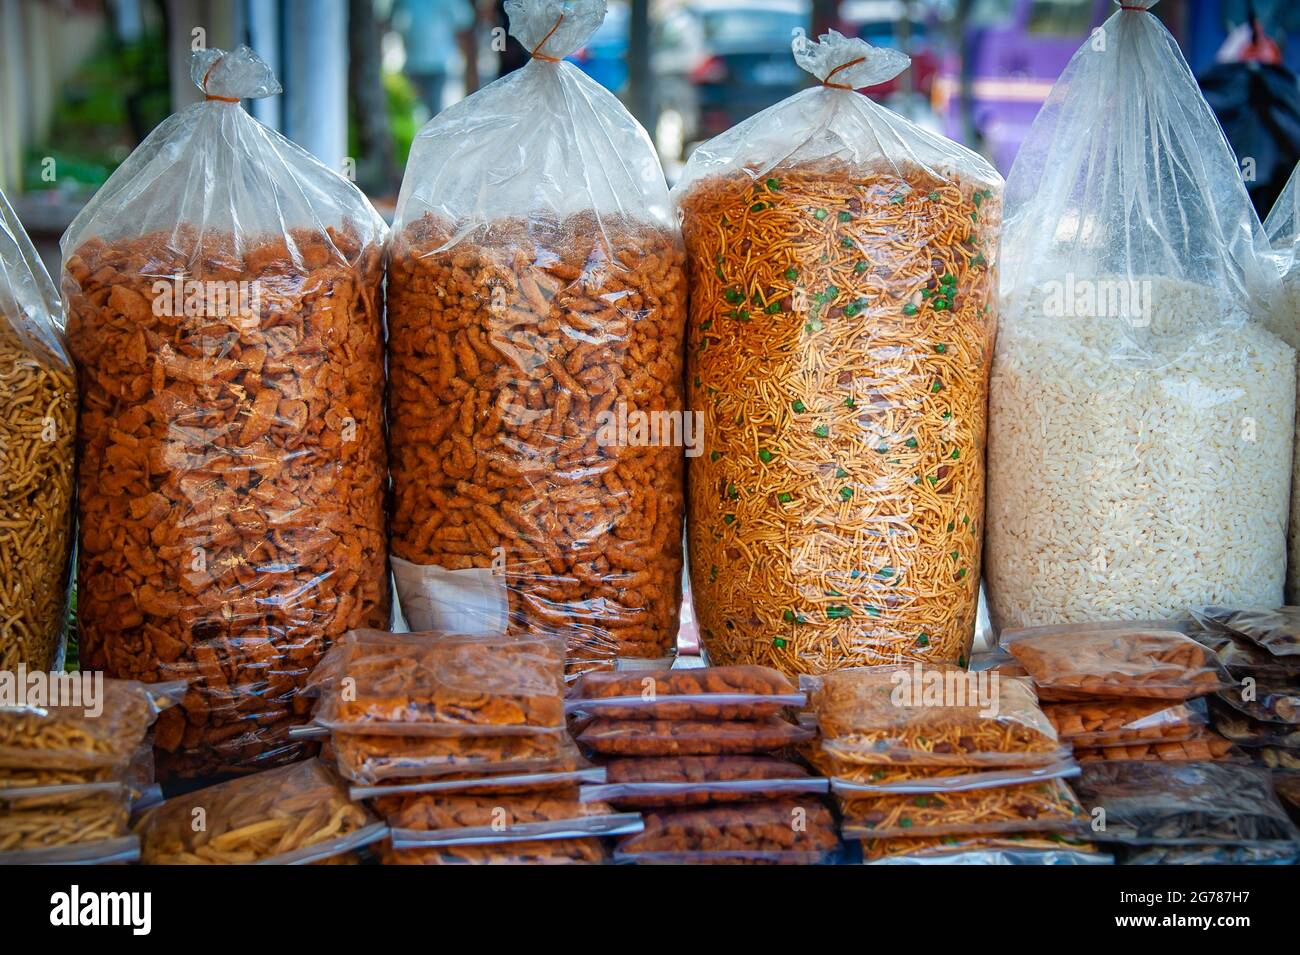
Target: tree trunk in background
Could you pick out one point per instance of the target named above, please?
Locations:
(639, 101)
(377, 171)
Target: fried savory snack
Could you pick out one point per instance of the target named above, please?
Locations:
(841, 331)
(1079, 662)
(1276, 630)
(1208, 745)
(533, 852)
(414, 684)
(274, 815)
(62, 815)
(1041, 806)
(939, 846)
(698, 693)
(689, 737)
(845, 776)
(780, 831)
(232, 477)
(861, 723)
(1245, 731)
(433, 811)
(371, 759)
(1120, 722)
(38, 431)
(514, 351)
(656, 782)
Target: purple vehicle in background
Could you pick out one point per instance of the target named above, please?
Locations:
(988, 93)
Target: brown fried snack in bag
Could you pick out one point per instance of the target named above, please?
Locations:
(516, 353)
(431, 811)
(772, 832)
(1120, 722)
(1207, 745)
(533, 852)
(695, 693)
(689, 737)
(371, 759)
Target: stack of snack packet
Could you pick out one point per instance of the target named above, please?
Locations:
(74, 766)
(1125, 690)
(692, 748)
(300, 814)
(460, 743)
(935, 765)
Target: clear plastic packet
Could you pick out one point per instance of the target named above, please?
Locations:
(504, 784)
(292, 815)
(1126, 722)
(224, 300)
(1264, 853)
(536, 311)
(1030, 848)
(1277, 757)
(660, 782)
(1182, 803)
(1205, 745)
(698, 693)
(1048, 806)
(851, 780)
(437, 819)
(1242, 658)
(1243, 730)
(689, 737)
(1266, 700)
(118, 851)
(369, 760)
(38, 432)
(533, 852)
(999, 661)
(1286, 783)
(1083, 662)
(1136, 282)
(431, 684)
(885, 715)
(1277, 630)
(843, 294)
(42, 817)
(786, 831)
(101, 740)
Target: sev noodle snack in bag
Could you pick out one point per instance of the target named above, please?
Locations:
(784, 831)
(425, 684)
(1136, 385)
(1125, 722)
(689, 737)
(371, 759)
(224, 309)
(1276, 630)
(849, 778)
(292, 815)
(931, 717)
(1043, 806)
(842, 284)
(697, 693)
(38, 408)
(489, 784)
(1079, 662)
(534, 852)
(537, 298)
(1030, 848)
(657, 782)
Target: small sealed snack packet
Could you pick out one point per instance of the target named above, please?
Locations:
(1277, 630)
(701, 693)
(786, 831)
(368, 760)
(44, 817)
(657, 782)
(1027, 848)
(531, 852)
(438, 819)
(1119, 722)
(689, 737)
(1207, 745)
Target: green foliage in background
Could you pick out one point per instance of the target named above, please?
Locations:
(402, 106)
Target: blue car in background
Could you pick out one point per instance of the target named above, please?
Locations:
(604, 57)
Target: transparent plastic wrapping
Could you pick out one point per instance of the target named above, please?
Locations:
(659, 782)
(534, 852)
(793, 832)
(1242, 658)
(435, 819)
(861, 723)
(38, 433)
(1265, 853)
(292, 815)
(1267, 701)
(1030, 848)
(1125, 722)
(475, 784)
(1205, 745)
(1041, 806)
(843, 284)
(99, 742)
(119, 851)
(1277, 757)
(224, 297)
(1136, 386)
(1155, 803)
(537, 307)
(43, 817)
(1079, 662)
(847, 779)
(1286, 783)
(1277, 630)
(372, 759)
(432, 684)
(696, 693)
(689, 737)
(1243, 730)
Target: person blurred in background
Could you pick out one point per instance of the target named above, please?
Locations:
(431, 34)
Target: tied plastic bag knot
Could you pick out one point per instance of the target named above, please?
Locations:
(847, 63)
(1136, 6)
(553, 29)
(231, 77)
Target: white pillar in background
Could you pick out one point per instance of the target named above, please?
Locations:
(315, 77)
(263, 17)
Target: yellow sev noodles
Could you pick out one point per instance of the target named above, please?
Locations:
(841, 329)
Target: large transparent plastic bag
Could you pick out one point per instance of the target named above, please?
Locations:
(537, 301)
(225, 311)
(843, 283)
(38, 409)
(1140, 410)
(1283, 229)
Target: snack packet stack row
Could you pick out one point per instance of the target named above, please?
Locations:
(74, 765)
(460, 743)
(935, 765)
(693, 749)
